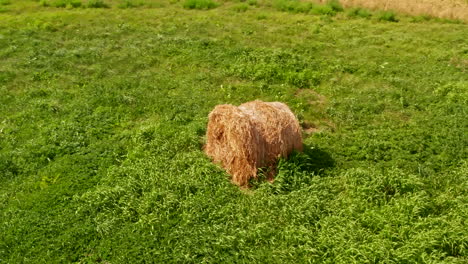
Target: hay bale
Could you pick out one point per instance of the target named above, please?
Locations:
(251, 136)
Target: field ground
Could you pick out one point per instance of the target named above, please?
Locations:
(103, 113)
(453, 9)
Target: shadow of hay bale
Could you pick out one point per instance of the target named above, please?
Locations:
(296, 172)
(317, 160)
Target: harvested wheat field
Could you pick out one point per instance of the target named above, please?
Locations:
(451, 9)
(251, 136)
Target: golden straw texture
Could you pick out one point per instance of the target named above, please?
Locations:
(251, 136)
(452, 9)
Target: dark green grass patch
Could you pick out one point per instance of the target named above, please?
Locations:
(293, 6)
(97, 4)
(323, 10)
(252, 2)
(335, 5)
(389, 16)
(130, 4)
(61, 3)
(44, 3)
(74, 3)
(200, 4)
(240, 8)
(359, 12)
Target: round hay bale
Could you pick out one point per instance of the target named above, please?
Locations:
(251, 136)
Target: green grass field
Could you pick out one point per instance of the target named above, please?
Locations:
(103, 112)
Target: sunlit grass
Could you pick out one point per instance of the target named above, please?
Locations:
(103, 113)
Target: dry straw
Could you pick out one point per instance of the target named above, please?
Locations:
(251, 136)
(452, 9)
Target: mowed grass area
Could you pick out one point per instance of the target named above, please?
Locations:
(103, 113)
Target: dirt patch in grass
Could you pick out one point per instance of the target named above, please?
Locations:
(312, 97)
(319, 103)
(460, 63)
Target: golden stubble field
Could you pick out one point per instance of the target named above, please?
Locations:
(453, 9)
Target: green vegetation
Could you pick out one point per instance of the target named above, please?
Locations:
(200, 4)
(59, 3)
(130, 4)
(335, 5)
(252, 2)
(97, 4)
(295, 6)
(389, 16)
(240, 7)
(359, 12)
(103, 113)
(44, 3)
